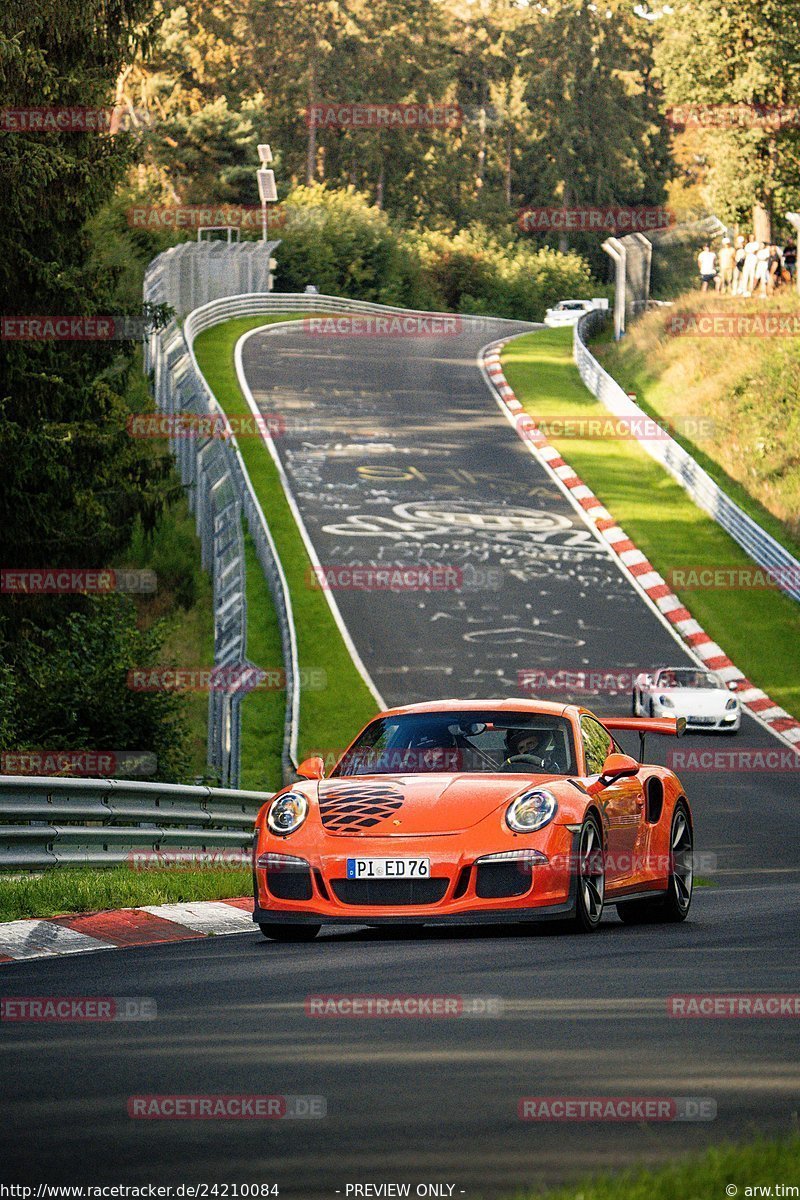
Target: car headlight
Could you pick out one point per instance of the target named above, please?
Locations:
(732, 703)
(287, 813)
(665, 702)
(531, 810)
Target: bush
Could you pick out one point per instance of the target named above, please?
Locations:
(70, 688)
(343, 245)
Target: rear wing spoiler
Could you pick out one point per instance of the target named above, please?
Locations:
(666, 726)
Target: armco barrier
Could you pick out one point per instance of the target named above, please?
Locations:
(47, 822)
(754, 540)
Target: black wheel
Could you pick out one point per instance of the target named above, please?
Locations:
(674, 904)
(290, 933)
(591, 877)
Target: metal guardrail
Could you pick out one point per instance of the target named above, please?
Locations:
(208, 467)
(755, 541)
(47, 822)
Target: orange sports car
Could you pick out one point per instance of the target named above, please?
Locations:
(477, 811)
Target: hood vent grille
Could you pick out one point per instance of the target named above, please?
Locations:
(355, 807)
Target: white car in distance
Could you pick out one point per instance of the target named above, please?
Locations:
(700, 696)
(569, 312)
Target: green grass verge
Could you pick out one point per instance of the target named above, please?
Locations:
(741, 397)
(262, 711)
(746, 1167)
(87, 890)
(759, 630)
(330, 716)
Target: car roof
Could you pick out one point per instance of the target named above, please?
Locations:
(505, 705)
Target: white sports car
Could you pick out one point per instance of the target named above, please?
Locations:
(569, 312)
(700, 696)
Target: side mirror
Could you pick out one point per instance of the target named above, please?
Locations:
(616, 766)
(619, 766)
(733, 685)
(312, 768)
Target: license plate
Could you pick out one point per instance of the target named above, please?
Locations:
(388, 868)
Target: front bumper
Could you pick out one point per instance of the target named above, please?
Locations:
(459, 891)
(728, 721)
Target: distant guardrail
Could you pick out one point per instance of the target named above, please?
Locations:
(755, 541)
(47, 822)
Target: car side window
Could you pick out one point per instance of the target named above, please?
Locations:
(597, 745)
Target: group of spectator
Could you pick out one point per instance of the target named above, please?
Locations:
(747, 268)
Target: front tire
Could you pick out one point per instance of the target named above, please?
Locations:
(591, 877)
(289, 933)
(674, 905)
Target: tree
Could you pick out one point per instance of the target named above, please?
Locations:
(600, 139)
(745, 53)
(74, 481)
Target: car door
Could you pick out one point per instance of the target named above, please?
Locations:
(623, 804)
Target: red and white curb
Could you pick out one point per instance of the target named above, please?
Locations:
(636, 565)
(79, 933)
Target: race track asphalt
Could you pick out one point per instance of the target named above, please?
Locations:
(397, 453)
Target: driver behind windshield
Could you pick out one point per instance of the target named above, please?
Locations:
(530, 748)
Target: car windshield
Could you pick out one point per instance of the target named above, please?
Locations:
(571, 304)
(687, 677)
(462, 742)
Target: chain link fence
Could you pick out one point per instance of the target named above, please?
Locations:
(193, 273)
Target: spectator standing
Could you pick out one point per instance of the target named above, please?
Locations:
(751, 249)
(738, 265)
(762, 269)
(790, 259)
(727, 264)
(707, 265)
(774, 270)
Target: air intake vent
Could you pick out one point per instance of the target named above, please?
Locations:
(389, 892)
